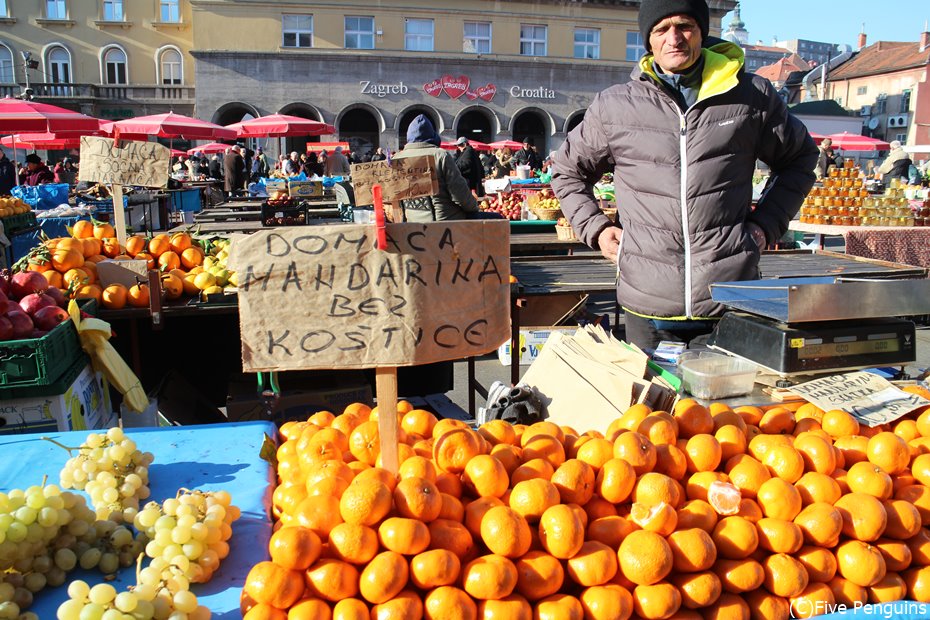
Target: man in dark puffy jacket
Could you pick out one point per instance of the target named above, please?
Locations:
(7, 174)
(469, 164)
(682, 138)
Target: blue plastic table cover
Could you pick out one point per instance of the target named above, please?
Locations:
(208, 458)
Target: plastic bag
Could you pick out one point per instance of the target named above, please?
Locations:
(41, 197)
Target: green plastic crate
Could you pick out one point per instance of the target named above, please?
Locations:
(21, 221)
(58, 386)
(42, 361)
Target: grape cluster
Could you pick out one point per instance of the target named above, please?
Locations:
(113, 472)
(46, 533)
(189, 531)
(154, 597)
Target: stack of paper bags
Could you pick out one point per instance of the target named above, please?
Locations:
(588, 379)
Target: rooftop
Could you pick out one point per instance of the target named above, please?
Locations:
(779, 71)
(882, 57)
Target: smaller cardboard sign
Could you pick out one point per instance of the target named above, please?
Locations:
(400, 179)
(125, 272)
(871, 399)
(131, 163)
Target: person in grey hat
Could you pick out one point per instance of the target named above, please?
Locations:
(682, 138)
(337, 164)
(469, 164)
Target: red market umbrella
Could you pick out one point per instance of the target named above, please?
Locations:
(851, 142)
(280, 126)
(41, 141)
(513, 145)
(818, 138)
(213, 147)
(178, 152)
(170, 125)
(478, 146)
(18, 116)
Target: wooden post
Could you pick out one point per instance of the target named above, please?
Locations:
(397, 212)
(119, 214)
(386, 389)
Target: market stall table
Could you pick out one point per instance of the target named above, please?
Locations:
(208, 458)
(584, 274)
(901, 244)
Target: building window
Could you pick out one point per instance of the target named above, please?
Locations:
(297, 30)
(862, 90)
(418, 35)
(532, 40)
(587, 43)
(880, 104)
(4, 8)
(905, 101)
(170, 11)
(59, 65)
(360, 33)
(477, 38)
(901, 137)
(114, 66)
(634, 46)
(113, 10)
(7, 73)
(171, 66)
(56, 9)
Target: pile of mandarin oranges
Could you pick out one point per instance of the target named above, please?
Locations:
(70, 264)
(702, 512)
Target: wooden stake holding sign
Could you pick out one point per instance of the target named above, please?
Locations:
(327, 297)
(143, 164)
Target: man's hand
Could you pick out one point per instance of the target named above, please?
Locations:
(757, 234)
(609, 242)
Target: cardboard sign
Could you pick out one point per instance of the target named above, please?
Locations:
(869, 398)
(131, 163)
(325, 297)
(400, 179)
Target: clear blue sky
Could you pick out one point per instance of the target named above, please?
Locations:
(833, 21)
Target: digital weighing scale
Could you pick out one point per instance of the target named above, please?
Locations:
(799, 326)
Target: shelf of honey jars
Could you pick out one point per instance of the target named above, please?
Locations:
(842, 200)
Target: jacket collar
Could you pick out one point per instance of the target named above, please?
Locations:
(723, 62)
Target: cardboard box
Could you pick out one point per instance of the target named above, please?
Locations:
(275, 185)
(85, 405)
(125, 272)
(532, 341)
(300, 399)
(305, 189)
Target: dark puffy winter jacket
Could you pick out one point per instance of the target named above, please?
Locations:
(684, 181)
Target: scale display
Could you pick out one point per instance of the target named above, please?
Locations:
(816, 347)
(857, 347)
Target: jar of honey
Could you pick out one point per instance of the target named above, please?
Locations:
(849, 163)
(833, 172)
(818, 201)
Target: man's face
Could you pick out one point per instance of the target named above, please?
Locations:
(676, 43)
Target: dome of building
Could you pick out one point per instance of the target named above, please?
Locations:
(736, 32)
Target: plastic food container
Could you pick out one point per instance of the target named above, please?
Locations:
(711, 376)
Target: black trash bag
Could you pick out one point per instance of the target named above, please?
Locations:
(520, 406)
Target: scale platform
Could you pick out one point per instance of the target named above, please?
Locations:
(804, 326)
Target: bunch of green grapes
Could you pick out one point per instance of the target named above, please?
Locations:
(161, 592)
(190, 530)
(113, 472)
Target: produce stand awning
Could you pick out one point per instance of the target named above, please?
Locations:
(18, 116)
(169, 125)
(318, 147)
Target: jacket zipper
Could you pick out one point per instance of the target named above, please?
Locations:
(682, 141)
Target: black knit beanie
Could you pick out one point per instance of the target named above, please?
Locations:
(651, 12)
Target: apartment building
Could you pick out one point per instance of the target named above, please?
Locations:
(108, 58)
